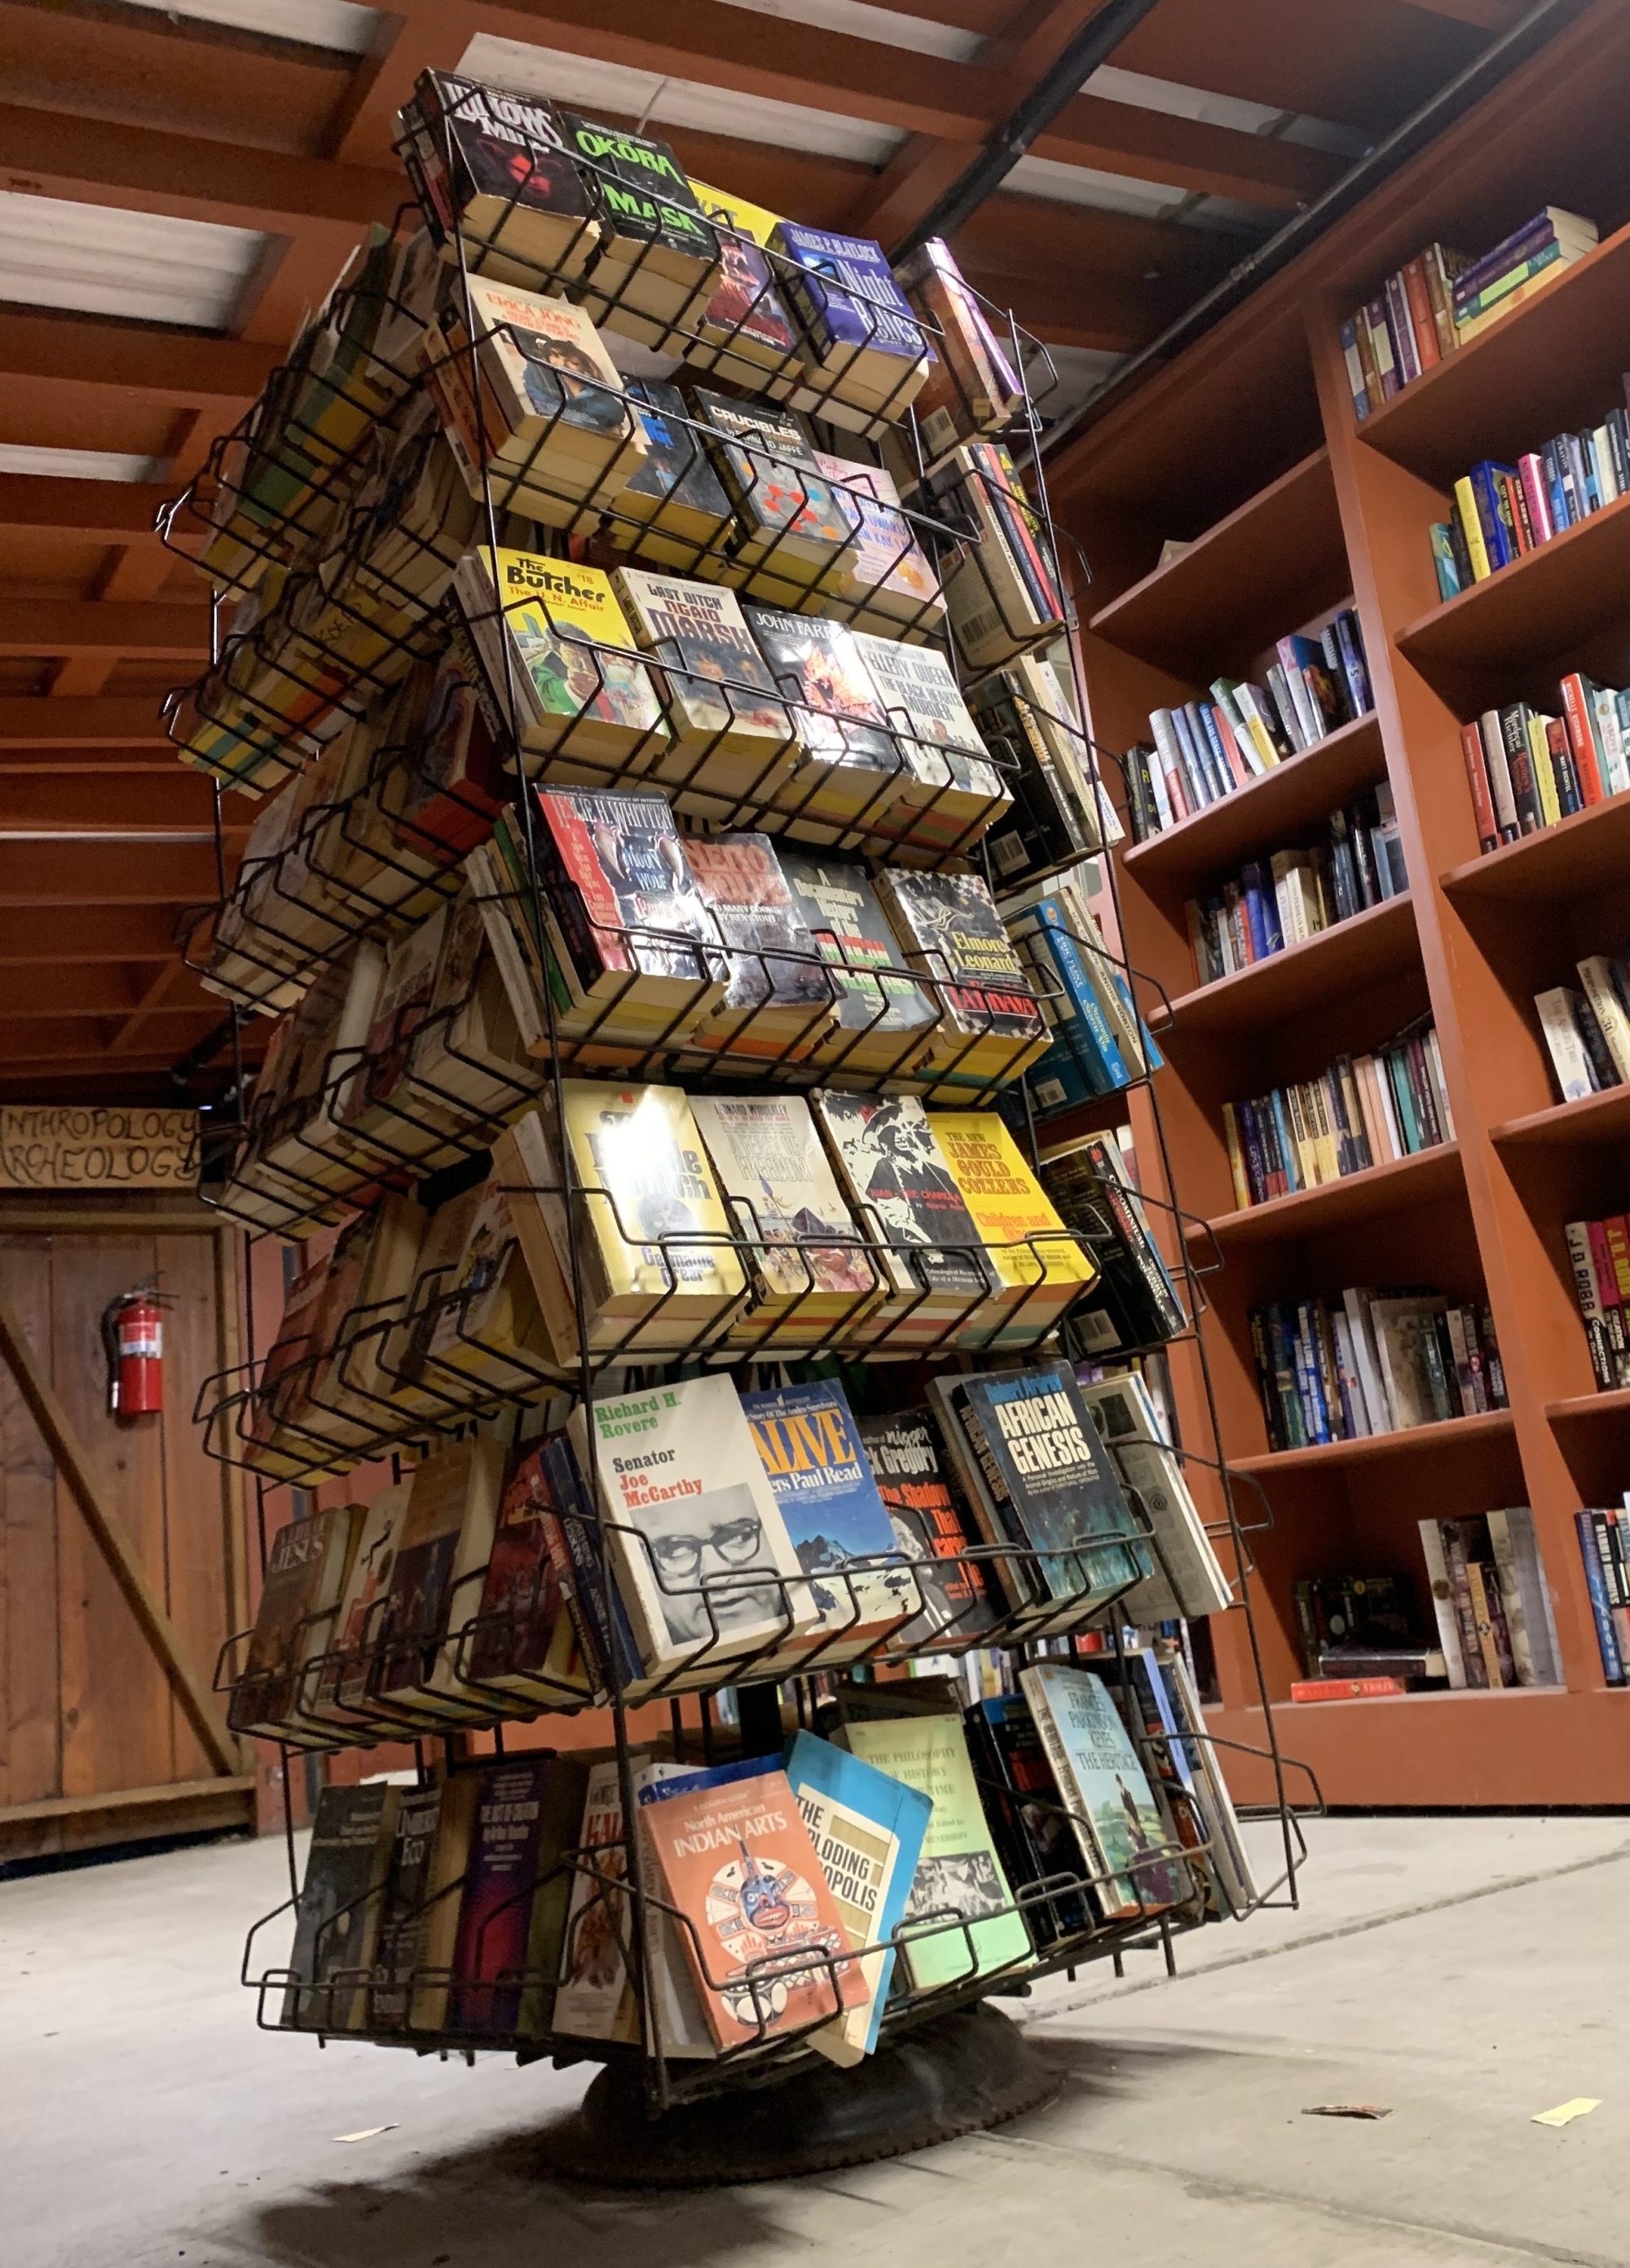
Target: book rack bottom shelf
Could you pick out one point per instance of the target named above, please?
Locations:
(1543, 1749)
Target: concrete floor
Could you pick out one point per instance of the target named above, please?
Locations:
(1464, 1972)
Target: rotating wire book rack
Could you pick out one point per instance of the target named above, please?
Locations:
(317, 530)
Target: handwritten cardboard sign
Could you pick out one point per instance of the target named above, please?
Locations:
(53, 1148)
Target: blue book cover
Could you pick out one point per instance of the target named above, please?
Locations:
(1083, 969)
(1056, 1484)
(868, 1829)
(1194, 762)
(686, 1783)
(610, 1630)
(1496, 537)
(827, 1495)
(1124, 1833)
(1262, 940)
(844, 293)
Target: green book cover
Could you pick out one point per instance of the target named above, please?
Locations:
(959, 1872)
(1117, 1821)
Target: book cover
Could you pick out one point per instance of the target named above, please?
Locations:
(647, 208)
(659, 1228)
(951, 930)
(517, 1885)
(305, 1570)
(593, 2001)
(548, 388)
(887, 569)
(957, 1921)
(807, 1259)
(747, 318)
(670, 484)
(971, 387)
(931, 1531)
(1032, 1251)
(1116, 1819)
(868, 1829)
(565, 629)
(767, 1947)
(520, 1631)
(902, 1184)
(770, 961)
(446, 1537)
(1057, 1482)
(1186, 1577)
(840, 909)
(716, 677)
(836, 715)
(402, 1917)
(337, 1915)
(1034, 1833)
(704, 1563)
(840, 1529)
(787, 511)
(937, 738)
(625, 901)
(512, 182)
(343, 1671)
(845, 302)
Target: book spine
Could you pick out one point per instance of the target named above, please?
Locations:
(1460, 1592)
(1354, 369)
(1420, 306)
(1596, 1584)
(1402, 328)
(1532, 472)
(1499, 539)
(1596, 974)
(1568, 1059)
(1440, 291)
(1346, 1688)
(1513, 1599)
(1350, 642)
(1579, 715)
(1442, 1601)
(1471, 529)
(1482, 793)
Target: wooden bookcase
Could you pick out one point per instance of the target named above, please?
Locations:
(1247, 446)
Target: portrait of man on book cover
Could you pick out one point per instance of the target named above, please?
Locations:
(706, 1551)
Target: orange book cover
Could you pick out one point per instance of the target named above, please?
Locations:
(737, 1860)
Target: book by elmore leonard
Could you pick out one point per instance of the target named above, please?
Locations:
(769, 1951)
(952, 932)
(840, 1529)
(1113, 1806)
(931, 1529)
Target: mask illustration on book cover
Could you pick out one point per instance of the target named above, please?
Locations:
(758, 1909)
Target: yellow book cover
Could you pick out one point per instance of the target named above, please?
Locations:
(737, 212)
(1007, 1204)
(1471, 528)
(1539, 762)
(658, 1221)
(550, 608)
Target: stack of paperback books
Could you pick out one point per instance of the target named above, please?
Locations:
(1360, 1113)
(1317, 682)
(1605, 1551)
(1372, 1362)
(1491, 1599)
(1599, 1254)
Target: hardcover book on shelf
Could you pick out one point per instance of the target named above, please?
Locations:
(658, 263)
(658, 1267)
(868, 1829)
(850, 767)
(444, 1544)
(737, 1860)
(931, 1529)
(1124, 1834)
(959, 1922)
(307, 1566)
(520, 1638)
(704, 1563)
(1044, 1490)
(731, 737)
(1041, 1267)
(811, 1270)
(552, 636)
(517, 1883)
(883, 1014)
(905, 1197)
(779, 995)
(337, 1915)
(494, 167)
(824, 1484)
(990, 1025)
(1186, 1577)
(865, 350)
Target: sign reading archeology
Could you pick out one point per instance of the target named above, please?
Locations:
(53, 1148)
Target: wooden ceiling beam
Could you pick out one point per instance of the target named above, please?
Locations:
(1482, 15)
(177, 796)
(140, 361)
(134, 935)
(106, 512)
(155, 632)
(34, 721)
(85, 875)
(90, 993)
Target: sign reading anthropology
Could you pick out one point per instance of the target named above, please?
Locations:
(52, 1148)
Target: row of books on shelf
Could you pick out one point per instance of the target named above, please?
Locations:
(755, 1223)
(1598, 1252)
(792, 1896)
(1605, 1550)
(763, 1533)
(1491, 1606)
(1298, 892)
(1363, 1111)
(1205, 750)
(1442, 299)
(1501, 512)
(1527, 770)
(1587, 1034)
(1372, 1362)
(370, 835)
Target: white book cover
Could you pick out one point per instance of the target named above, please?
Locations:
(1188, 1578)
(593, 2001)
(1366, 1354)
(705, 1564)
(1569, 1059)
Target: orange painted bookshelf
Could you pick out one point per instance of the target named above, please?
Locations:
(1247, 449)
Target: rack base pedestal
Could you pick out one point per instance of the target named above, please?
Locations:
(966, 2071)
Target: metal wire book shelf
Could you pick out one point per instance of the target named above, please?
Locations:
(334, 597)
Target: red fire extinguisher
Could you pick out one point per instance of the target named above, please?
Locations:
(133, 1333)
